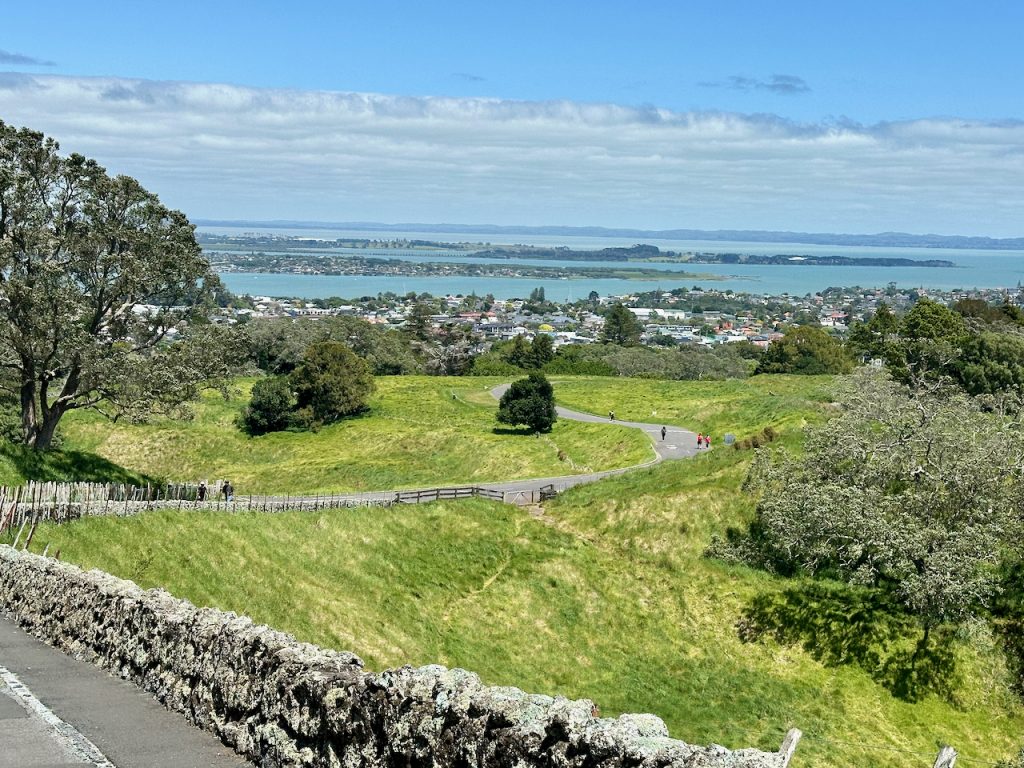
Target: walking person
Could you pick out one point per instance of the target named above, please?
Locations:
(663, 433)
(707, 441)
(700, 440)
(201, 492)
(228, 490)
(611, 415)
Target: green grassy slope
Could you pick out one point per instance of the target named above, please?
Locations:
(739, 406)
(606, 596)
(415, 434)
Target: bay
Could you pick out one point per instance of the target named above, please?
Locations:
(974, 268)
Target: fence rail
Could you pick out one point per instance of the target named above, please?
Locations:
(34, 503)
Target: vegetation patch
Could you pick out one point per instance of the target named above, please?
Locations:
(418, 431)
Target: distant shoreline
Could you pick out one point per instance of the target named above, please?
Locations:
(881, 239)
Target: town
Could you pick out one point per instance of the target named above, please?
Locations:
(682, 316)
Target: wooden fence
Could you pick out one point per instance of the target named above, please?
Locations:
(34, 503)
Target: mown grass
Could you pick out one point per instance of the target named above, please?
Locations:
(739, 406)
(607, 595)
(419, 431)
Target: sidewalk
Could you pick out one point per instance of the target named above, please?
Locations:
(127, 726)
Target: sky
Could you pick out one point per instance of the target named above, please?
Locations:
(805, 116)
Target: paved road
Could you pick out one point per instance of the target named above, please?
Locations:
(679, 443)
(116, 724)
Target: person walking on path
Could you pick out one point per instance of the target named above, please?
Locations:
(707, 441)
(228, 490)
(201, 492)
(700, 440)
(663, 433)
(611, 415)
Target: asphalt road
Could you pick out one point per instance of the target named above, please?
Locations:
(678, 444)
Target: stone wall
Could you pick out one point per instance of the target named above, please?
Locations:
(284, 703)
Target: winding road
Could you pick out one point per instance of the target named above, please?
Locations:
(678, 444)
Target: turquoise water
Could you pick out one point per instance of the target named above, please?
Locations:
(974, 269)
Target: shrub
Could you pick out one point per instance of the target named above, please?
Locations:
(332, 381)
(270, 407)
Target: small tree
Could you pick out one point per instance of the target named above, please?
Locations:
(271, 406)
(529, 401)
(332, 382)
(621, 326)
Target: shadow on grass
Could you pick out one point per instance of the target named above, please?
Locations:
(521, 431)
(839, 625)
(68, 466)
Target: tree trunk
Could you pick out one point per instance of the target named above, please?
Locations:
(46, 430)
(28, 411)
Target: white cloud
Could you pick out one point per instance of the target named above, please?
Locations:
(223, 151)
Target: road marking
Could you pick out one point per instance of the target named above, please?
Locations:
(65, 733)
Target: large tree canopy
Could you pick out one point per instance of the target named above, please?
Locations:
(913, 492)
(807, 350)
(94, 274)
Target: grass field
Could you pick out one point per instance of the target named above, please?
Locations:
(739, 406)
(606, 595)
(415, 434)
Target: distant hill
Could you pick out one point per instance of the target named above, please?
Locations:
(883, 239)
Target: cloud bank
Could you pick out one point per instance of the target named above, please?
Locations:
(224, 151)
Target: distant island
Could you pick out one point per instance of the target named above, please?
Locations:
(279, 254)
(651, 253)
(881, 239)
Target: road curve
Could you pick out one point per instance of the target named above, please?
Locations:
(679, 443)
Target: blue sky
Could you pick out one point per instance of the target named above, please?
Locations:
(794, 115)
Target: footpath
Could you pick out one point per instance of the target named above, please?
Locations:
(58, 712)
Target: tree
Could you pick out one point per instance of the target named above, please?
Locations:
(95, 274)
(271, 406)
(931, 336)
(518, 352)
(875, 337)
(913, 493)
(542, 351)
(332, 382)
(529, 401)
(621, 326)
(418, 323)
(806, 350)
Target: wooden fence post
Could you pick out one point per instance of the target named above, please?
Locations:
(789, 745)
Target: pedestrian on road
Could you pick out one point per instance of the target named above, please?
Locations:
(611, 415)
(663, 433)
(228, 490)
(700, 440)
(707, 441)
(201, 492)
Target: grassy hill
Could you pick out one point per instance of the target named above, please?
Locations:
(605, 595)
(419, 431)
